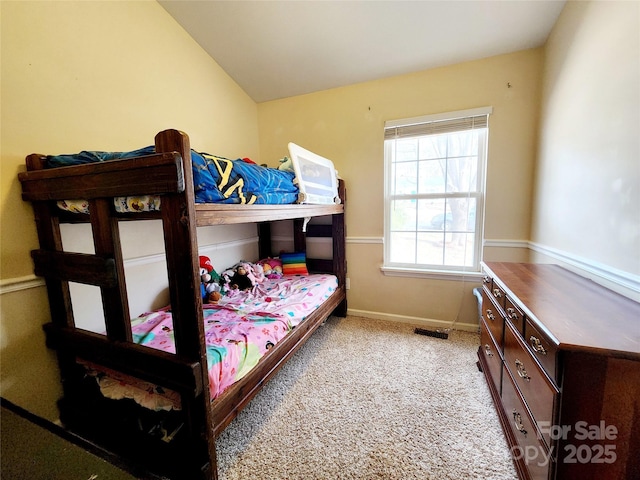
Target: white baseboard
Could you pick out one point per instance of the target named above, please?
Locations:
(417, 321)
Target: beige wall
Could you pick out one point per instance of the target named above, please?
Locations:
(587, 189)
(102, 76)
(346, 125)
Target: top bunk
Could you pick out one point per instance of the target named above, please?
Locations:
(137, 179)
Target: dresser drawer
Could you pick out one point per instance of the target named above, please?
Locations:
(542, 349)
(530, 451)
(491, 354)
(498, 294)
(537, 390)
(487, 281)
(514, 314)
(493, 318)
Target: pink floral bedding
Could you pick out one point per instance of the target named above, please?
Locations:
(239, 330)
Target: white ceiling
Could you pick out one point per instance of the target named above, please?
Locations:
(276, 49)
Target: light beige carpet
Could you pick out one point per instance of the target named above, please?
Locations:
(366, 399)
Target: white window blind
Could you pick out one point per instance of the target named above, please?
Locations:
(436, 124)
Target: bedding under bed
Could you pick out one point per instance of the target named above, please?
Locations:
(240, 329)
(215, 179)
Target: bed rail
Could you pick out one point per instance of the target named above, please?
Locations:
(147, 363)
(114, 178)
(224, 214)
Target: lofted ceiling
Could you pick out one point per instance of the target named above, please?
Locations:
(275, 49)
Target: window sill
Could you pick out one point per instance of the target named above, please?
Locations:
(431, 274)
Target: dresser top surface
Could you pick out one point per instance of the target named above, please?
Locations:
(577, 313)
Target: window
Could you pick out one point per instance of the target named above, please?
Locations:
(434, 175)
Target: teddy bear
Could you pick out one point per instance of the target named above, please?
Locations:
(209, 281)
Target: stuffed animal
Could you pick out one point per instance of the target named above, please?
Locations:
(249, 271)
(209, 281)
(240, 280)
(266, 270)
(286, 164)
(258, 273)
(272, 267)
(213, 297)
(276, 271)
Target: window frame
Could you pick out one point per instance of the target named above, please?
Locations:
(425, 270)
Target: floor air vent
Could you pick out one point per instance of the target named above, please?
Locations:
(431, 333)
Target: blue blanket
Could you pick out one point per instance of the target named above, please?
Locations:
(215, 179)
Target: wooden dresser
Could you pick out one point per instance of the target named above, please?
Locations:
(561, 356)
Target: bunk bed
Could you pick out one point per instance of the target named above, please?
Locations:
(178, 443)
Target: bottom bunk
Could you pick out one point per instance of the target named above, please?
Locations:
(250, 334)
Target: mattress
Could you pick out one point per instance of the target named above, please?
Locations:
(215, 179)
(239, 330)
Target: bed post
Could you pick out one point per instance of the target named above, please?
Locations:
(186, 302)
(264, 239)
(299, 235)
(339, 235)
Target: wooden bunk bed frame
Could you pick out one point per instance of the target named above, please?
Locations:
(192, 453)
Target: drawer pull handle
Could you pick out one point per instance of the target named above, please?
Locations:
(486, 279)
(487, 350)
(490, 314)
(517, 420)
(512, 314)
(537, 345)
(522, 372)
(497, 293)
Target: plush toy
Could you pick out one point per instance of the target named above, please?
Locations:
(272, 267)
(213, 297)
(266, 270)
(226, 276)
(286, 164)
(249, 271)
(276, 271)
(258, 273)
(240, 280)
(209, 281)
